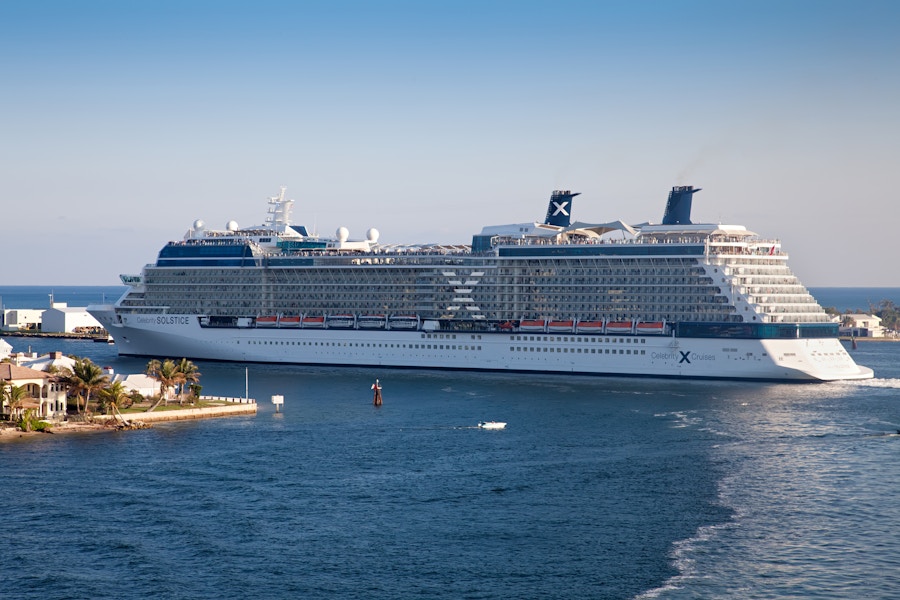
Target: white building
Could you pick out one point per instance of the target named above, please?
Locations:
(5, 349)
(15, 319)
(144, 385)
(66, 319)
(862, 326)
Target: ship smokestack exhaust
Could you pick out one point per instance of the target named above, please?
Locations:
(678, 208)
(559, 212)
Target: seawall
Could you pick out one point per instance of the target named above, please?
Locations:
(185, 414)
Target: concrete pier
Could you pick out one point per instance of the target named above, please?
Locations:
(184, 414)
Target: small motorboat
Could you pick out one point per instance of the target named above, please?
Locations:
(491, 425)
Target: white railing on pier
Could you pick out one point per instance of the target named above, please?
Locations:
(228, 399)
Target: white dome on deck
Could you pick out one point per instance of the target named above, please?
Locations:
(372, 235)
(232, 226)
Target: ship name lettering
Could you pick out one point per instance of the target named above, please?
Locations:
(166, 320)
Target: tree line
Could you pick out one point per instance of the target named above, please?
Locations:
(87, 383)
(886, 310)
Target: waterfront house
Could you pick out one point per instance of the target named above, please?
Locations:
(858, 325)
(46, 394)
(5, 349)
(46, 362)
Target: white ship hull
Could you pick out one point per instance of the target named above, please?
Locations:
(177, 336)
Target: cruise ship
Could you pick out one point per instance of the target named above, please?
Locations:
(674, 299)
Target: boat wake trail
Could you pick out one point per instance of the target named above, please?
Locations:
(886, 383)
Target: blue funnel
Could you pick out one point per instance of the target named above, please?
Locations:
(678, 208)
(559, 212)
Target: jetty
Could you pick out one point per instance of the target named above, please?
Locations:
(187, 414)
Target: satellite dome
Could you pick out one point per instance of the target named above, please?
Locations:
(199, 224)
(372, 235)
(231, 226)
(342, 234)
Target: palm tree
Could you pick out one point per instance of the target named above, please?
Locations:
(190, 374)
(113, 395)
(168, 376)
(86, 379)
(14, 396)
(3, 384)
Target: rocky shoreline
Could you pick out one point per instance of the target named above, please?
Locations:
(9, 432)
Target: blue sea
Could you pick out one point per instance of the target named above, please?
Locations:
(597, 488)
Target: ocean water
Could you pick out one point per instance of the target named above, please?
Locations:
(39, 296)
(597, 488)
(846, 298)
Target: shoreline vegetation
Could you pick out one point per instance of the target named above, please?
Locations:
(133, 420)
(92, 400)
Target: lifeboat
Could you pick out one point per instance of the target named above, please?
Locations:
(340, 321)
(561, 326)
(266, 321)
(404, 322)
(289, 321)
(371, 322)
(619, 326)
(651, 327)
(589, 327)
(508, 326)
(532, 325)
(311, 321)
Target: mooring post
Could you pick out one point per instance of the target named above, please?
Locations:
(377, 399)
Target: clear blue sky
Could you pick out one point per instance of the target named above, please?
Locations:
(122, 122)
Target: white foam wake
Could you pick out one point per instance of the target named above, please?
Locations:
(886, 383)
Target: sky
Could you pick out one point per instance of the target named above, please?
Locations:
(123, 122)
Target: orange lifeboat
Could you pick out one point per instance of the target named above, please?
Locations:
(589, 327)
(313, 321)
(532, 325)
(619, 326)
(289, 321)
(651, 327)
(561, 326)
